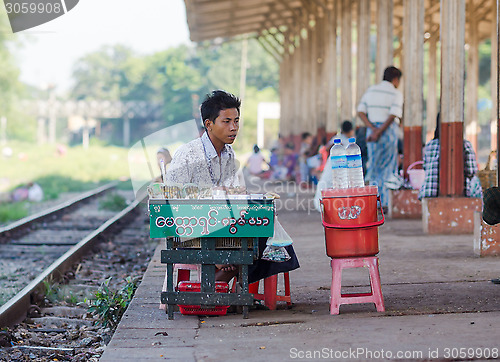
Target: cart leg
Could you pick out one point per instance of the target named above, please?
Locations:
(170, 311)
(245, 312)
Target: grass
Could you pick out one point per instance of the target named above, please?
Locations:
(13, 211)
(113, 202)
(76, 170)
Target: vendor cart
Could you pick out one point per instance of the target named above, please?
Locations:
(209, 232)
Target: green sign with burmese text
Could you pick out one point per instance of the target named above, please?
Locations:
(211, 218)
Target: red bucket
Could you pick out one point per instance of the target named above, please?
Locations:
(350, 221)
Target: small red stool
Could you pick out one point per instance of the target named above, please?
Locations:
(336, 296)
(270, 296)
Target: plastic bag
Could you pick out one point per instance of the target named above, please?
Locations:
(280, 236)
(275, 253)
(275, 250)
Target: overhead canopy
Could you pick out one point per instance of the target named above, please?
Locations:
(211, 19)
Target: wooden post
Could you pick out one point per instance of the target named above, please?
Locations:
(432, 89)
(363, 49)
(472, 78)
(451, 170)
(413, 45)
(346, 72)
(384, 37)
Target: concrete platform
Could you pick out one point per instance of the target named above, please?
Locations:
(438, 297)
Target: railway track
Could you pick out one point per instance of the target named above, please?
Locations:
(74, 248)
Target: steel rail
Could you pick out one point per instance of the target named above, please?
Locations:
(14, 311)
(42, 215)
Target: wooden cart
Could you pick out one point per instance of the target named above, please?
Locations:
(209, 232)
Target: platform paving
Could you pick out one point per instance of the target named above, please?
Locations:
(440, 304)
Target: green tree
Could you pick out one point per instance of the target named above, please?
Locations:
(11, 89)
(103, 74)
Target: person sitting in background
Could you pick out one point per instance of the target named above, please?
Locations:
(304, 154)
(255, 161)
(346, 132)
(430, 187)
(322, 156)
(31, 192)
(290, 161)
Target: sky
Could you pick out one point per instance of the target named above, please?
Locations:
(49, 50)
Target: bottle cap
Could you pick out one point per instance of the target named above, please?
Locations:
(337, 140)
(352, 139)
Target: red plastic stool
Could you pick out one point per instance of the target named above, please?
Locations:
(184, 271)
(270, 296)
(336, 296)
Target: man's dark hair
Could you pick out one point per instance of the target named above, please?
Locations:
(346, 126)
(217, 101)
(305, 135)
(256, 149)
(392, 72)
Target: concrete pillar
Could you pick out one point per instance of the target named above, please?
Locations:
(471, 121)
(312, 123)
(413, 44)
(298, 67)
(284, 95)
(126, 131)
(384, 37)
(432, 89)
(303, 84)
(451, 171)
(363, 49)
(40, 131)
(331, 65)
(321, 71)
(493, 77)
(346, 60)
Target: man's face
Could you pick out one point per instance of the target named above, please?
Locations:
(225, 127)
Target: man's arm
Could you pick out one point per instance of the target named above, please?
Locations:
(379, 131)
(366, 121)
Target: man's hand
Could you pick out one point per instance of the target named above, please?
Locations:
(375, 135)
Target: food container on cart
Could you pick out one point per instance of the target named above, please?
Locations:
(351, 221)
(220, 287)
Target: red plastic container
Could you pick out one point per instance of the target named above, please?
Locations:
(220, 287)
(350, 221)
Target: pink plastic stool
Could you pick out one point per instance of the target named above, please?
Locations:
(270, 296)
(184, 270)
(336, 296)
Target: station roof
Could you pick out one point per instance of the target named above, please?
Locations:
(225, 19)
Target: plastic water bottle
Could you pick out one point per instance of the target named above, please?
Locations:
(339, 165)
(354, 164)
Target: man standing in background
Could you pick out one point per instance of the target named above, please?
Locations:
(379, 107)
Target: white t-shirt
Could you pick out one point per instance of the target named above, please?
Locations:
(381, 100)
